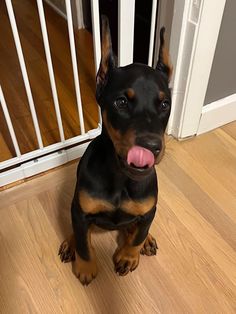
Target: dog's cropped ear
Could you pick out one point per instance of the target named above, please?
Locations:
(107, 59)
(164, 64)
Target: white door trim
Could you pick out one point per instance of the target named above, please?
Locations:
(217, 114)
(198, 40)
(207, 35)
(180, 61)
(126, 15)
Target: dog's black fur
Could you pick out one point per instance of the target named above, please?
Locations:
(111, 192)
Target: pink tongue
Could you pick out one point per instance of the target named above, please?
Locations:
(140, 157)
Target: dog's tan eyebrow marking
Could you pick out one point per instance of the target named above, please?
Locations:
(162, 95)
(130, 93)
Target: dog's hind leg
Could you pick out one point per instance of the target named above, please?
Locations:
(67, 250)
(150, 246)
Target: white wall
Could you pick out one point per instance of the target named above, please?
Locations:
(222, 80)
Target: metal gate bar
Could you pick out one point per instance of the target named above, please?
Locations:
(50, 68)
(96, 39)
(74, 63)
(9, 123)
(126, 11)
(23, 70)
(96, 32)
(152, 32)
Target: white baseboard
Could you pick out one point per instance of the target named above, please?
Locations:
(217, 113)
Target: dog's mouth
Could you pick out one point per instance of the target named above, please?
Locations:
(140, 158)
(139, 162)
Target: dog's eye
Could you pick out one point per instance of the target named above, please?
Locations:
(121, 103)
(165, 105)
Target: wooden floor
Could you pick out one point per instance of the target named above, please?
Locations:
(12, 83)
(195, 227)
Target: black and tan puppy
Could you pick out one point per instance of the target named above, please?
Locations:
(116, 180)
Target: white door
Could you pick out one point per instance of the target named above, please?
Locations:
(195, 32)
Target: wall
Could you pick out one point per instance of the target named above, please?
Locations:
(222, 80)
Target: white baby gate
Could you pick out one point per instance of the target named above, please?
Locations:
(47, 157)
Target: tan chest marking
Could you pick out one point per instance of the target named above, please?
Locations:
(138, 207)
(92, 205)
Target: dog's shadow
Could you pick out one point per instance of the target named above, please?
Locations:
(105, 286)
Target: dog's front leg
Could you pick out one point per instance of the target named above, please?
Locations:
(78, 248)
(126, 257)
(84, 266)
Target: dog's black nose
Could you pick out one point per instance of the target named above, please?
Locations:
(153, 144)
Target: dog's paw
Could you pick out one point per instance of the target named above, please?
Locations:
(85, 271)
(125, 261)
(66, 252)
(150, 246)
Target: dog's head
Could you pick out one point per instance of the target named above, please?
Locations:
(135, 101)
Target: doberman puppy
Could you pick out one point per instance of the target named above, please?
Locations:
(116, 180)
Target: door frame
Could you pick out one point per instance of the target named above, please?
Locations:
(193, 45)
